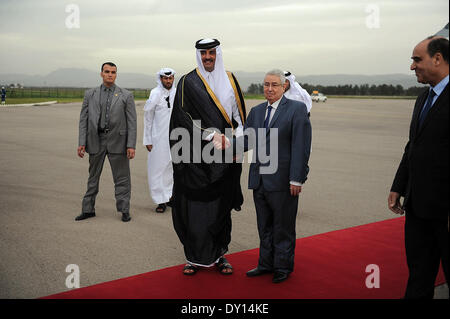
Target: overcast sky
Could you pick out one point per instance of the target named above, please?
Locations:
(306, 37)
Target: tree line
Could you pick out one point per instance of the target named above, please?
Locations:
(349, 89)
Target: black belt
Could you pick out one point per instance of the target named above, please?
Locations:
(103, 130)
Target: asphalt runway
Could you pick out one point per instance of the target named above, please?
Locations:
(357, 146)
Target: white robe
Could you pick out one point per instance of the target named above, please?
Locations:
(156, 133)
(220, 84)
(297, 93)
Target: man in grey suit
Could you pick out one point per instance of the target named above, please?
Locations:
(108, 128)
(276, 193)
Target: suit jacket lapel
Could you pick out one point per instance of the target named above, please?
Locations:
(437, 104)
(96, 97)
(262, 115)
(116, 95)
(277, 111)
(417, 109)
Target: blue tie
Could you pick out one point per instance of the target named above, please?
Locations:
(267, 120)
(427, 107)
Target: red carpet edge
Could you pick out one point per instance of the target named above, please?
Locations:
(341, 264)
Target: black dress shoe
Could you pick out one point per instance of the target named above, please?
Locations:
(84, 216)
(257, 272)
(279, 277)
(126, 217)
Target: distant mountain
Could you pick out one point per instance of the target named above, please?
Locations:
(73, 77)
(78, 78)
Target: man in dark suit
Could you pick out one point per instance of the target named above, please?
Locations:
(422, 177)
(277, 180)
(108, 128)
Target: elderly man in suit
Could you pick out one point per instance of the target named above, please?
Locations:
(280, 126)
(108, 128)
(422, 177)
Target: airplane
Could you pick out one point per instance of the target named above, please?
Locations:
(443, 32)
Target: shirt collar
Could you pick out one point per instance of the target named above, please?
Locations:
(438, 88)
(275, 104)
(112, 87)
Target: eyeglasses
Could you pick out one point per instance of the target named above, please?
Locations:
(168, 102)
(274, 85)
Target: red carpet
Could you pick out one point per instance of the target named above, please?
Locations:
(327, 266)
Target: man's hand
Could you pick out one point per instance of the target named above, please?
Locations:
(131, 152)
(394, 203)
(221, 142)
(149, 147)
(81, 150)
(295, 190)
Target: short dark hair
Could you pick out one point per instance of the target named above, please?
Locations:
(108, 63)
(438, 44)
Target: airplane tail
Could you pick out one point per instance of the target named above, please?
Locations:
(443, 32)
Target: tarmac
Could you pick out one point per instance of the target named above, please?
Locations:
(357, 146)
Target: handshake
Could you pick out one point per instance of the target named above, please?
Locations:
(221, 142)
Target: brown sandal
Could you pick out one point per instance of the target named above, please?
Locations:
(193, 270)
(223, 266)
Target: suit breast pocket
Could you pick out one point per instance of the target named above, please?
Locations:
(119, 105)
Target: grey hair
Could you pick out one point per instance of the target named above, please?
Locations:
(278, 73)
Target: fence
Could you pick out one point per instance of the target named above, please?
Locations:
(55, 93)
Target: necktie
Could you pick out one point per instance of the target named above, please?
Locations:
(267, 120)
(427, 107)
(105, 104)
(108, 105)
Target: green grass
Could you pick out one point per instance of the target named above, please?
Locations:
(254, 96)
(62, 95)
(261, 97)
(29, 100)
(26, 100)
(371, 97)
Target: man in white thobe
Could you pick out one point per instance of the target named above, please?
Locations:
(157, 112)
(295, 92)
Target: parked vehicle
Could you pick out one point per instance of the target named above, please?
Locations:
(318, 97)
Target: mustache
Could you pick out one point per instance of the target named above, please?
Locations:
(208, 60)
